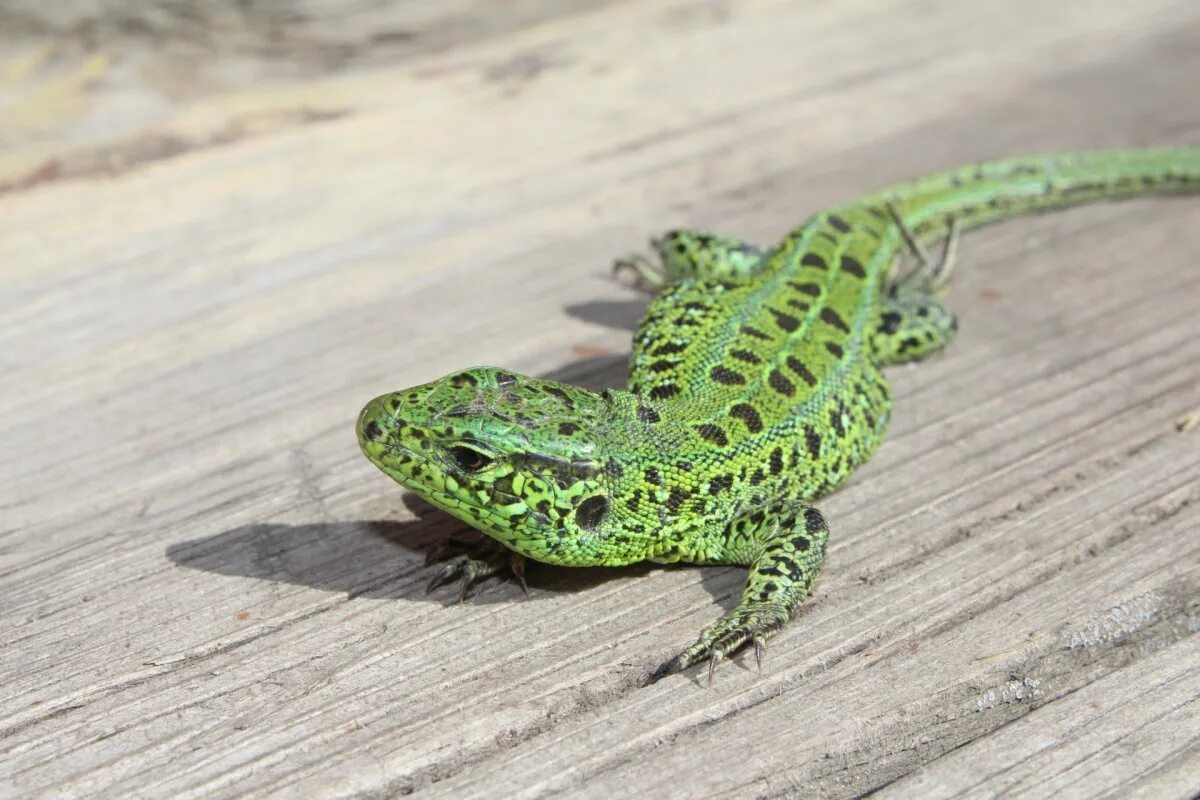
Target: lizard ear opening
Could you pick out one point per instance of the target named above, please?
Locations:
(591, 512)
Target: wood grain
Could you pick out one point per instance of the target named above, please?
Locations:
(222, 231)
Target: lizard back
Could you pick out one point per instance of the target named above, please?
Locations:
(781, 358)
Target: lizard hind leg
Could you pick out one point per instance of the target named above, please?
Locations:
(930, 277)
(691, 255)
(914, 322)
(787, 549)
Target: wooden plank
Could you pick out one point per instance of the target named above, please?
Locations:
(206, 591)
(1138, 729)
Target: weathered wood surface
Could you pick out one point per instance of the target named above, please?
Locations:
(221, 232)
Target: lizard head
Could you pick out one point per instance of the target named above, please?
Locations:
(521, 459)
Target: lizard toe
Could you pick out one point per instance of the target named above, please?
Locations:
(749, 622)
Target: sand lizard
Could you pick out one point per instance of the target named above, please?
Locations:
(755, 388)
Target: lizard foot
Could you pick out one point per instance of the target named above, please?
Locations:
(749, 622)
(481, 560)
(639, 272)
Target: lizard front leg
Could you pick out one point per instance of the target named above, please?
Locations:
(785, 555)
(471, 562)
(691, 255)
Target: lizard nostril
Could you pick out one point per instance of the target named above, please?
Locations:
(372, 431)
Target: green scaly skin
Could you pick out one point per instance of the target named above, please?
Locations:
(756, 387)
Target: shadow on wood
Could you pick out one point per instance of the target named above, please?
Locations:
(375, 559)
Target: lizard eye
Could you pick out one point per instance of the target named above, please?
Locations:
(468, 459)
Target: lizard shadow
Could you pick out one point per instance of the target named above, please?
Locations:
(620, 314)
(377, 559)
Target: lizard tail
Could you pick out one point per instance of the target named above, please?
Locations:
(996, 190)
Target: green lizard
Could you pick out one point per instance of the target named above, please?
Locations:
(756, 387)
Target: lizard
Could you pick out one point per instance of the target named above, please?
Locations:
(756, 386)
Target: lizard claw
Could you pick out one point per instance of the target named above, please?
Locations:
(713, 660)
(464, 585)
(669, 667)
(516, 563)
